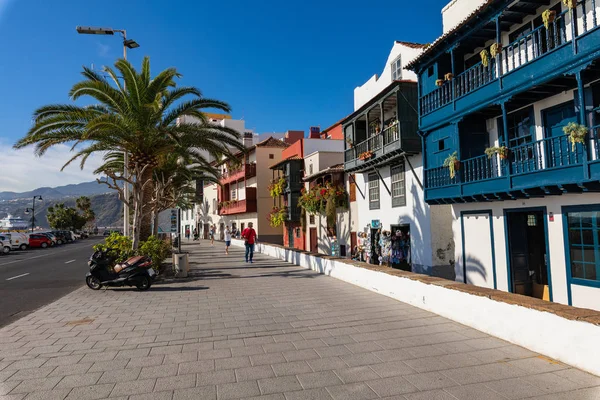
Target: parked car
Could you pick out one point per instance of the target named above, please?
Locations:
(60, 237)
(68, 236)
(75, 235)
(5, 245)
(39, 240)
(53, 239)
(18, 241)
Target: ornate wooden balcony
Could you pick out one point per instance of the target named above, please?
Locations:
(246, 171)
(247, 205)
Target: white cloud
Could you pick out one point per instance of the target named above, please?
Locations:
(21, 170)
(103, 49)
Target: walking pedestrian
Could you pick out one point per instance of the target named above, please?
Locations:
(227, 239)
(213, 230)
(187, 233)
(249, 236)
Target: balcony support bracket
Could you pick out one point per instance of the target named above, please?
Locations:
(413, 171)
(382, 181)
(351, 176)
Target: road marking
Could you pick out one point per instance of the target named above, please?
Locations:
(45, 255)
(18, 276)
(69, 262)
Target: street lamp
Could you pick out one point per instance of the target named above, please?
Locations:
(32, 210)
(127, 44)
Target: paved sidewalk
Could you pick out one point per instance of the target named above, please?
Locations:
(266, 330)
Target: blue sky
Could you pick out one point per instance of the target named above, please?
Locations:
(280, 65)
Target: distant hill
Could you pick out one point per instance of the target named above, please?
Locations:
(76, 190)
(105, 203)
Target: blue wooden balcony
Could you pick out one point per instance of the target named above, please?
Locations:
(532, 60)
(544, 167)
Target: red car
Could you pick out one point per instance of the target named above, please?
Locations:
(42, 241)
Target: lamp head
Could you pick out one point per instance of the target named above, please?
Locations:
(131, 44)
(91, 30)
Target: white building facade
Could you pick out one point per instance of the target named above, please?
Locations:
(384, 163)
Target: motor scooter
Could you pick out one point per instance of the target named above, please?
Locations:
(136, 271)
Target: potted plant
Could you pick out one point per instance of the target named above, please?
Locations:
(365, 155)
(576, 133)
(277, 216)
(548, 17)
(485, 57)
(349, 141)
(439, 82)
(502, 151)
(449, 76)
(570, 3)
(451, 162)
(495, 49)
(277, 187)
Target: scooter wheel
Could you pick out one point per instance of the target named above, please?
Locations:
(93, 282)
(144, 283)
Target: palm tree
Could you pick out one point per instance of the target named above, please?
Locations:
(150, 119)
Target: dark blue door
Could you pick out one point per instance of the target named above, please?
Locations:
(557, 146)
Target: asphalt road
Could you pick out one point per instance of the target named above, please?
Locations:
(32, 278)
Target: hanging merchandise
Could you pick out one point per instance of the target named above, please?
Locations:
(386, 246)
(368, 246)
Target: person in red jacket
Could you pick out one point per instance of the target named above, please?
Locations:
(249, 236)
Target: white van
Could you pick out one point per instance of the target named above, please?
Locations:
(4, 245)
(17, 240)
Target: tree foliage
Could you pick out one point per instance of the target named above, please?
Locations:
(148, 118)
(64, 218)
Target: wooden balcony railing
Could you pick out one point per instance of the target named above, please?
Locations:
(245, 171)
(389, 135)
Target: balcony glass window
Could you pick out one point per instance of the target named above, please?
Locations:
(521, 127)
(398, 186)
(233, 194)
(584, 245)
(373, 192)
(397, 69)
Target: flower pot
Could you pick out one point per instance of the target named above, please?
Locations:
(449, 76)
(456, 165)
(439, 82)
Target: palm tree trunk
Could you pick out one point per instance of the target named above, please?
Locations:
(145, 210)
(155, 224)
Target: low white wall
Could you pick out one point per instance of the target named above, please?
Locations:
(572, 342)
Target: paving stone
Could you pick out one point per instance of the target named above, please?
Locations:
(254, 373)
(200, 393)
(297, 355)
(168, 395)
(232, 363)
(175, 382)
(39, 384)
(352, 391)
(265, 359)
(158, 371)
(56, 394)
(279, 385)
(196, 366)
(430, 395)
(215, 377)
(291, 368)
(514, 388)
(430, 380)
(91, 392)
(72, 381)
(120, 375)
(474, 392)
(133, 388)
(240, 390)
(356, 374)
(319, 379)
(310, 394)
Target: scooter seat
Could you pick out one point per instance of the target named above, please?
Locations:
(129, 262)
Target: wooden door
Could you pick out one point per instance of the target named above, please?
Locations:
(353, 242)
(519, 254)
(314, 244)
(558, 147)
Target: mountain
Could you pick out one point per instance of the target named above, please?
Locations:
(76, 190)
(105, 203)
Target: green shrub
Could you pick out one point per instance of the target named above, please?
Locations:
(117, 246)
(156, 249)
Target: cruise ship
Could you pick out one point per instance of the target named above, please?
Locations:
(13, 223)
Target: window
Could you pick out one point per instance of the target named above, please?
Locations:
(233, 194)
(310, 169)
(297, 232)
(352, 189)
(398, 186)
(242, 226)
(584, 245)
(311, 219)
(430, 71)
(441, 145)
(373, 192)
(271, 156)
(521, 127)
(397, 69)
(214, 207)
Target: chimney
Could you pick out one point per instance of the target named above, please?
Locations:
(248, 139)
(293, 136)
(315, 132)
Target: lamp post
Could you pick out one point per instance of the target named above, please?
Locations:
(32, 209)
(127, 44)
